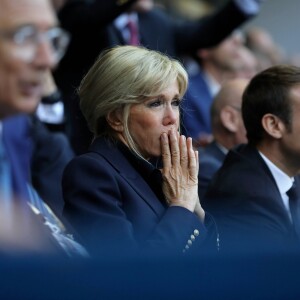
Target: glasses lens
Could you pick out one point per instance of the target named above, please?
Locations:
(59, 40)
(25, 36)
(26, 41)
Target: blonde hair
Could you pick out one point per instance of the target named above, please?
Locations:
(122, 76)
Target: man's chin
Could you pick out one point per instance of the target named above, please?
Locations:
(28, 106)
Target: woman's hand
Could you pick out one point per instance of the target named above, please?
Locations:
(180, 172)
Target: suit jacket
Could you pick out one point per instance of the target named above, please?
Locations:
(36, 155)
(18, 145)
(28, 227)
(247, 204)
(196, 107)
(50, 154)
(91, 33)
(210, 160)
(113, 207)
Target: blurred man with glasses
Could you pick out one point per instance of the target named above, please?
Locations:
(31, 43)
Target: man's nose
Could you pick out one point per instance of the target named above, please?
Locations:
(45, 56)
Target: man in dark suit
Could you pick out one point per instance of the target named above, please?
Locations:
(156, 31)
(228, 130)
(87, 22)
(250, 196)
(50, 154)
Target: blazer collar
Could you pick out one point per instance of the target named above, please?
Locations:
(251, 154)
(110, 152)
(254, 158)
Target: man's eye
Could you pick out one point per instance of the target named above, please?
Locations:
(25, 35)
(24, 38)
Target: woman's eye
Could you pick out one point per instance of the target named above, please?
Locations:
(155, 103)
(176, 102)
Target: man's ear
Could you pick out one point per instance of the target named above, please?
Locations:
(115, 121)
(273, 125)
(229, 118)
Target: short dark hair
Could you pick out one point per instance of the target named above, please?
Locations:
(268, 92)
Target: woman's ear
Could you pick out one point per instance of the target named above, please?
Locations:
(115, 121)
(273, 125)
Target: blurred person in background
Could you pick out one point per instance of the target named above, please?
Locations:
(31, 43)
(98, 24)
(263, 46)
(208, 71)
(187, 9)
(249, 64)
(254, 196)
(227, 128)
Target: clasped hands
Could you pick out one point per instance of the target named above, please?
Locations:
(180, 172)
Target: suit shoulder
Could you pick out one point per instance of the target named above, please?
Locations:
(88, 161)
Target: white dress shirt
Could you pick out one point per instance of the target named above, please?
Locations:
(283, 182)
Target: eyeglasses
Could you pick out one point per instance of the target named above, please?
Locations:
(26, 40)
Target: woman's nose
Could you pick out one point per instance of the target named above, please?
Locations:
(171, 115)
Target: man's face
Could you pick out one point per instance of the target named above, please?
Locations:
(290, 142)
(143, 5)
(240, 134)
(226, 55)
(21, 80)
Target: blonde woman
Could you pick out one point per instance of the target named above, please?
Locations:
(137, 187)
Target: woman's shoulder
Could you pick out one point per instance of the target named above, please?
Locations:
(88, 163)
(88, 170)
(102, 156)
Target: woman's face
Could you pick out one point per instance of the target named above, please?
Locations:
(149, 119)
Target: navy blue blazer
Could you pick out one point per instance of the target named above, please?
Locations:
(210, 160)
(112, 205)
(247, 205)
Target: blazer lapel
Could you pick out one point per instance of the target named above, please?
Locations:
(256, 158)
(119, 162)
